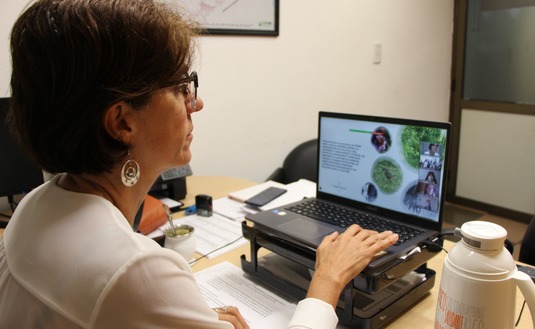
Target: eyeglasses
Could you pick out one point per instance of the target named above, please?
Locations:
(192, 83)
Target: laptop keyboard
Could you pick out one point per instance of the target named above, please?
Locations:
(343, 217)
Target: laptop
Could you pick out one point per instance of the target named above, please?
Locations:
(390, 173)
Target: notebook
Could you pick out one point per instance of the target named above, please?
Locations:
(389, 171)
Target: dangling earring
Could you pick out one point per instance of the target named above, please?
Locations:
(130, 172)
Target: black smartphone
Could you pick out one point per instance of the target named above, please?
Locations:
(264, 197)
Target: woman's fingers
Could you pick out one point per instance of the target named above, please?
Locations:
(232, 314)
(353, 249)
(342, 256)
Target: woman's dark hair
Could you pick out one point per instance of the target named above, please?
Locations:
(72, 59)
(432, 174)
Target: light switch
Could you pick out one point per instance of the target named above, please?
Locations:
(377, 53)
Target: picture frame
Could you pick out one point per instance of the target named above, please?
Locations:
(235, 17)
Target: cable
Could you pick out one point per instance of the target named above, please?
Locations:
(431, 246)
(520, 315)
(211, 252)
(12, 202)
(3, 224)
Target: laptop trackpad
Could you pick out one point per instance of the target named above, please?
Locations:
(306, 230)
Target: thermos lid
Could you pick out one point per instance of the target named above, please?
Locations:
(483, 235)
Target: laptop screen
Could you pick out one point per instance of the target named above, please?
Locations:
(385, 164)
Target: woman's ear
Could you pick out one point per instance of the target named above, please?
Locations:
(119, 122)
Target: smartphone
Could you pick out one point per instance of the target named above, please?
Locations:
(264, 197)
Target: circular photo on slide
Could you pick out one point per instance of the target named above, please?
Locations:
(410, 198)
(381, 139)
(387, 175)
(369, 192)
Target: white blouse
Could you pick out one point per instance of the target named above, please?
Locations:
(71, 260)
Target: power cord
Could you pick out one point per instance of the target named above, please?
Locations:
(12, 203)
(520, 315)
(211, 252)
(432, 246)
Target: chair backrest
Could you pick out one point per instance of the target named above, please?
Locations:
(301, 162)
(527, 248)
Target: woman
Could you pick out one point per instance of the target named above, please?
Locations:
(102, 95)
(431, 178)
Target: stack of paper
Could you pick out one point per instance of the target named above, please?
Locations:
(227, 284)
(222, 231)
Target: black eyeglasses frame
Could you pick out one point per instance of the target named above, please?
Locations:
(192, 78)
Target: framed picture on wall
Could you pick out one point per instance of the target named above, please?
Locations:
(235, 17)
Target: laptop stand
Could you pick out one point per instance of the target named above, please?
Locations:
(370, 301)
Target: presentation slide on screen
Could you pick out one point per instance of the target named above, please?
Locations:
(387, 165)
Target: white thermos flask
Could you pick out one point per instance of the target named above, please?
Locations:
(479, 278)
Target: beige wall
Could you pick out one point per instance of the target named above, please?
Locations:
(496, 159)
(262, 93)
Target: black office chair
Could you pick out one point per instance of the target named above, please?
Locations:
(527, 247)
(300, 163)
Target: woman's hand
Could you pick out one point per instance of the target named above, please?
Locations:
(232, 314)
(341, 257)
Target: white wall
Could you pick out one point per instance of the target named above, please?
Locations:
(9, 10)
(262, 94)
(496, 159)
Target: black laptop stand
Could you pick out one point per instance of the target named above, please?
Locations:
(372, 300)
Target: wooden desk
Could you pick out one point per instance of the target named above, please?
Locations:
(421, 315)
(217, 187)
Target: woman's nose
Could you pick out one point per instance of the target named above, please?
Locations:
(198, 105)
